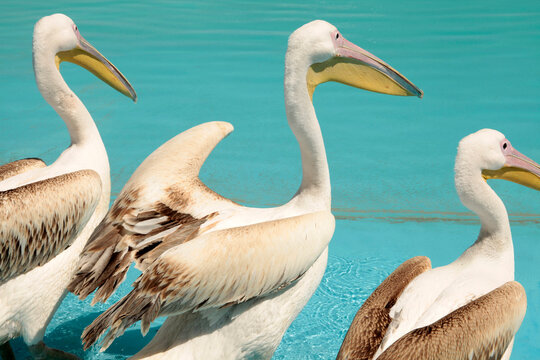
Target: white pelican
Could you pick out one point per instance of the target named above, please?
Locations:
(47, 213)
(230, 278)
(471, 308)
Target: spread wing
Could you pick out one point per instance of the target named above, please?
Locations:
(163, 205)
(218, 269)
(372, 319)
(41, 219)
(480, 330)
(18, 167)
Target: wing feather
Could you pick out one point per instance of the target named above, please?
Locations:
(218, 269)
(18, 167)
(41, 219)
(480, 330)
(163, 205)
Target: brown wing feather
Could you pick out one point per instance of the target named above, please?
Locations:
(41, 219)
(480, 330)
(372, 319)
(218, 269)
(140, 227)
(18, 167)
(112, 247)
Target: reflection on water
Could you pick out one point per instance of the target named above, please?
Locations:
(399, 216)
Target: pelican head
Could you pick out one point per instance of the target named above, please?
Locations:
(492, 154)
(57, 36)
(333, 58)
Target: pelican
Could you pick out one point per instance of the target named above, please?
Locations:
(47, 213)
(471, 308)
(229, 278)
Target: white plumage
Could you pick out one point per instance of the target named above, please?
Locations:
(470, 308)
(230, 278)
(49, 212)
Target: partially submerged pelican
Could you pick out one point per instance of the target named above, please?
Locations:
(471, 308)
(230, 278)
(47, 213)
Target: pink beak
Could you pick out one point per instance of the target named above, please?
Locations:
(345, 48)
(516, 159)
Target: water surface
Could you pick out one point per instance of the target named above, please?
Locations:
(391, 158)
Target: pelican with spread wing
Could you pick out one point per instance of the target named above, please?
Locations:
(230, 278)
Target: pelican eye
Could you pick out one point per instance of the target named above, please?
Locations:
(505, 145)
(337, 36)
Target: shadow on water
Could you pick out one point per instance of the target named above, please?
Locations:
(67, 337)
(131, 342)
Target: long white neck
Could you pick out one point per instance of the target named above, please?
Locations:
(301, 116)
(55, 91)
(495, 237)
(87, 150)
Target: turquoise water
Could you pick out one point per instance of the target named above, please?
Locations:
(391, 159)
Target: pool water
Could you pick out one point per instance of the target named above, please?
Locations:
(391, 158)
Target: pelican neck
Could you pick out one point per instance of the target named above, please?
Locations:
(495, 236)
(303, 122)
(56, 92)
(87, 150)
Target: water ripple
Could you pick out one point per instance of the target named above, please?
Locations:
(318, 331)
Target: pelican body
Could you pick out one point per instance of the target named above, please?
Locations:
(471, 308)
(230, 278)
(47, 213)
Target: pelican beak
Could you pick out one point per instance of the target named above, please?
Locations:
(518, 168)
(357, 67)
(88, 57)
